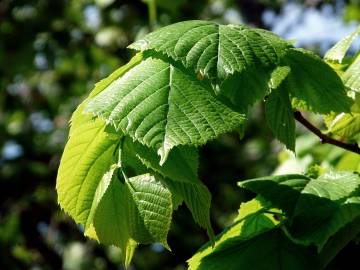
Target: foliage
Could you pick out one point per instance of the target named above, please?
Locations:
(131, 158)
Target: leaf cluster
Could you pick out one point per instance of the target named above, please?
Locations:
(131, 158)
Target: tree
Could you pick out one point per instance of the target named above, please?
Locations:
(131, 158)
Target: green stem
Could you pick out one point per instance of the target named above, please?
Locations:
(152, 12)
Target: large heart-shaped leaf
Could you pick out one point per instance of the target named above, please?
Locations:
(162, 106)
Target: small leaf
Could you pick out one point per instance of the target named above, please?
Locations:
(346, 125)
(349, 162)
(351, 77)
(198, 199)
(279, 117)
(337, 53)
(270, 188)
(154, 203)
(111, 219)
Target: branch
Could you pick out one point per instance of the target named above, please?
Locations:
(323, 137)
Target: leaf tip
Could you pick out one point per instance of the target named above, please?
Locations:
(211, 235)
(139, 45)
(128, 252)
(163, 152)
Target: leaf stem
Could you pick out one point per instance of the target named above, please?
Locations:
(152, 12)
(323, 137)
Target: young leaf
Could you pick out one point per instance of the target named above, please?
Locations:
(313, 85)
(99, 193)
(160, 106)
(346, 125)
(111, 220)
(214, 50)
(334, 200)
(349, 162)
(351, 77)
(337, 53)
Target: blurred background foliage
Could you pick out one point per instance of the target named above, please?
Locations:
(52, 53)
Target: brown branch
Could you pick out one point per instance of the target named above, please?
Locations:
(323, 137)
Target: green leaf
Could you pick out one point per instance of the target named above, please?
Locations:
(99, 193)
(278, 75)
(351, 77)
(251, 221)
(346, 125)
(161, 106)
(214, 50)
(181, 172)
(313, 85)
(349, 162)
(244, 89)
(198, 199)
(111, 219)
(280, 118)
(181, 165)
(268, 251)
(337, 53)
(88, 155)
(253, 242)
(334, 200)
(154, 203)
(138, 211)
(339, 241)
(270, 188)
(79, 117)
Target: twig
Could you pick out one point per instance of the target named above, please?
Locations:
(323, 137)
